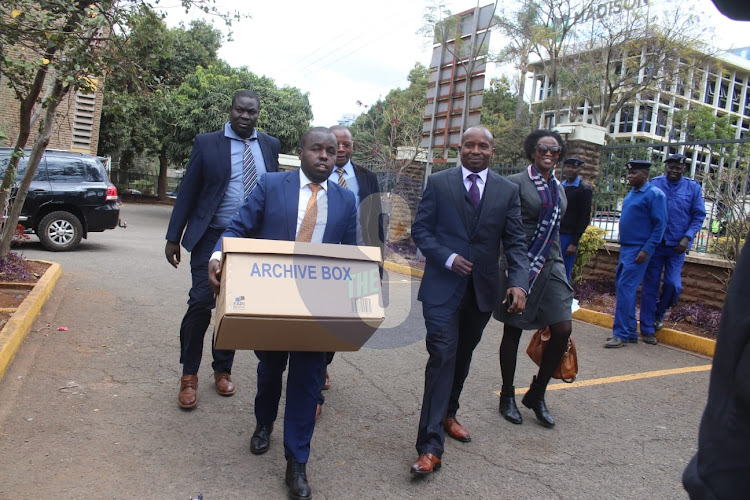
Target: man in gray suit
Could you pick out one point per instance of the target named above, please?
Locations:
(463, 217)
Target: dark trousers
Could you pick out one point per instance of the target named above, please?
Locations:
(569, 260)
(453, 331)
(302, 390)
(329, 359)
(628, 277)
(667, 260)
(198, 316)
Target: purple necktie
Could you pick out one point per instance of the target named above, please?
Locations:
(474, 190)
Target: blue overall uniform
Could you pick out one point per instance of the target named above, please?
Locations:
(642, 224)
(686, 211)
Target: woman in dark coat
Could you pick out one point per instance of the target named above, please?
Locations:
(550, 296)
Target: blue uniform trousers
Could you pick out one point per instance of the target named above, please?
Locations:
(198, 316)
(453, 331)
(628, 277)
(565, 240)
(666, 259)
(306, 371)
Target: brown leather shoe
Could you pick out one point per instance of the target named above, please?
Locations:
(318, 410)
(327, 385)
(224, 384)
(188, 387)
(427, 463)
(456, 430)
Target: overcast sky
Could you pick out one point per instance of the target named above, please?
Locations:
(345, 52)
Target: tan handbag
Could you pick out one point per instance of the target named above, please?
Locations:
(568, 369)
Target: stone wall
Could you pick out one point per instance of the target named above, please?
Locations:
(403, 201)
(703, 278)
(590, 153)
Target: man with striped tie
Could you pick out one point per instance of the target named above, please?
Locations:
(224, 167)
(370, 218)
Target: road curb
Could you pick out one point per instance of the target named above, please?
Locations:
(674, 338)
(19, 324)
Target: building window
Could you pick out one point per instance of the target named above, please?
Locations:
(661, 122)
(644, 119)
(626, 120)
(736, 94)
(723, 92)
(710, 89)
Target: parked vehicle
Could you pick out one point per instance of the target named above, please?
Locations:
(69, 197)
(610, 222)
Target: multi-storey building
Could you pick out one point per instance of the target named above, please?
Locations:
(720, 85)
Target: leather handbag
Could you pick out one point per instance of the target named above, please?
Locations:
(568, 368)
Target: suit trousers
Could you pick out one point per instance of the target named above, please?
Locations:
(303, 383)
(565, 240)
(667, 260)
(453, 331)
(628, 276)
(198, 316)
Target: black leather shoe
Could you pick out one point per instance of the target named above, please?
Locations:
(534, 400)
(508, 408)
(296, 480)
(261, 439)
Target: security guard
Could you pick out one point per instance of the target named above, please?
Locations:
(686, 211)
(578, 214)
(642, 223)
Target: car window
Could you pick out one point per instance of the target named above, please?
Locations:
(39, 175)
(73, 170)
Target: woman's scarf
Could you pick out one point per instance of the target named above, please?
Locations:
(547, 224)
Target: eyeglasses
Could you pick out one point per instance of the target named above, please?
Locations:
(543, 149)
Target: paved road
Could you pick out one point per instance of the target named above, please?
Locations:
(91, 412)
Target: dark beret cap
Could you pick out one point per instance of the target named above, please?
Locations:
(638, 165)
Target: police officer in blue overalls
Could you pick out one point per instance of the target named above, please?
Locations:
(686, 211)
(642, 222)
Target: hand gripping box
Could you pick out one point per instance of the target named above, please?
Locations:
(293, 296)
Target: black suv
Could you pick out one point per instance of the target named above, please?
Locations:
(69, 197)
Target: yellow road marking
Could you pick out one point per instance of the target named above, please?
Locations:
(622, 378)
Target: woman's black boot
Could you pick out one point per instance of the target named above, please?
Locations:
(534, 400)
(508, 408)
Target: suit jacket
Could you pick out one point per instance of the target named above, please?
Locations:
(270, 212)
(205, 182)
(721, 467)
(371, 217)
(446, 223)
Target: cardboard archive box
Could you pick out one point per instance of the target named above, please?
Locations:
(294, 296)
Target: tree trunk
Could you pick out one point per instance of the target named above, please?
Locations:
(40, 144)
(161, 185)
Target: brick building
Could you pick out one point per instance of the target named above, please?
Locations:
(77, 121)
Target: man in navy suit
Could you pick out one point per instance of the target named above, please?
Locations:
(370, 223)
(209, 196)
(464, 216)
(277, 210)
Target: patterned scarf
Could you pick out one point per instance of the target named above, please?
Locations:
(547, 224)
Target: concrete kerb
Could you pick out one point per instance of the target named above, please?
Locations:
(19, 324)
(674, 338)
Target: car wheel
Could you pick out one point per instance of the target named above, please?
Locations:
(60, 231)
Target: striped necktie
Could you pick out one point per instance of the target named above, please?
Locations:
(311, 215)
(341, 172)
(249, 172)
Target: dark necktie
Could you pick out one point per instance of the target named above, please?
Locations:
(341, 172)
(474, 190)
(249, 172)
